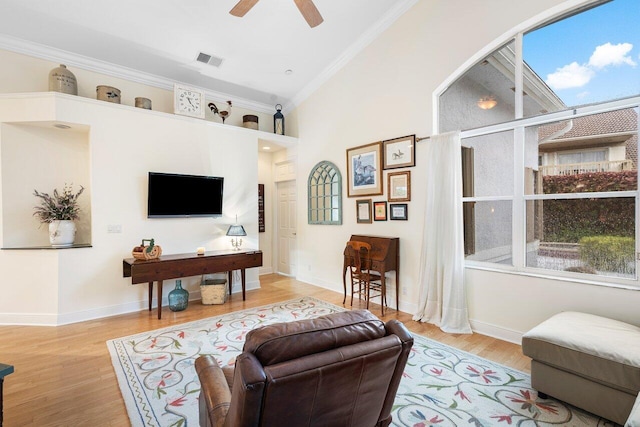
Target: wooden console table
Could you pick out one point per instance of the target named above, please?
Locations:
(185, 265)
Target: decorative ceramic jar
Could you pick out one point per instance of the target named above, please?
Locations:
(250, 121)
(178, 298)
(63, 80)
(108, 93)
(143, 103)
(62, 233)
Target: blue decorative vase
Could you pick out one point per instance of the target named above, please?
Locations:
(178, 298)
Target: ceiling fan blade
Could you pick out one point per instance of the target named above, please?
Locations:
(310, 12)
(242, 7)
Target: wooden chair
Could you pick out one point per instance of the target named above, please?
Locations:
(364, 283)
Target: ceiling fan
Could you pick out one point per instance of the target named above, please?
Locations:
(306, 7)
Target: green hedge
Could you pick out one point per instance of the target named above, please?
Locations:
(608, 253)
(571, 220)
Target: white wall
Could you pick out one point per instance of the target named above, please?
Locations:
(386, 92)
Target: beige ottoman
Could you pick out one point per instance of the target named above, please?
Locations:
(588, 361)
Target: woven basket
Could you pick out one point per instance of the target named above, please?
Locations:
(154, 253)
(214, 291)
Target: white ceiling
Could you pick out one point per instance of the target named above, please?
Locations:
(160, 40)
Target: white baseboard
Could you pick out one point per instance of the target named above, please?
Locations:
(265, 270)
(55, 319)
(498, 332)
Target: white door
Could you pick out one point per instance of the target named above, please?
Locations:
(287, 228)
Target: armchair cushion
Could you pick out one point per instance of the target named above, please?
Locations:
(285, 341)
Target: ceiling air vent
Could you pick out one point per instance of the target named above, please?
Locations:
(205, 58)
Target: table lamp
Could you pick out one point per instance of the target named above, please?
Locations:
(235, 231)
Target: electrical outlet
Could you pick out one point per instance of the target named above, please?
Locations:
(404, 290)
(114, 228)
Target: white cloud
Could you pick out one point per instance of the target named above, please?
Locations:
(570, 76)
(582, 94)
(611, 54)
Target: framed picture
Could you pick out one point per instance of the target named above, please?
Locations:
(379, 211)
(363, 211)
(400, 152)
(364, 170)
(399, 186)
(398, 211)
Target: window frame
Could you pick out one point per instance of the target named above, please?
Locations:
(519, 198)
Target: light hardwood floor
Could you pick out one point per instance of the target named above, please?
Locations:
(64, 377)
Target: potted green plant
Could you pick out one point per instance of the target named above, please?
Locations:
(59, 211)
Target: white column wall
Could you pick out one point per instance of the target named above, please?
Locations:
(125, 144)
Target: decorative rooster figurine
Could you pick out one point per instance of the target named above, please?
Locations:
(223, 114)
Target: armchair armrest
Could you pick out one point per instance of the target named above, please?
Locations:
(215, 396)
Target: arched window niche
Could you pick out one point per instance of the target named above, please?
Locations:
(546, 118)
(325, 194)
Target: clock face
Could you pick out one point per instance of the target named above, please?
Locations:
(189, 101)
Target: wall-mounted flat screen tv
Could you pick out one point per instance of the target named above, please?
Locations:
(174, 195)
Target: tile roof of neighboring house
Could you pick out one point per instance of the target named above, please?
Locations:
(608, 123)
(597, 124)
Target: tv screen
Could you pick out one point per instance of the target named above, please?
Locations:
(173, 195)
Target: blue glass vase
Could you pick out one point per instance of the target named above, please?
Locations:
(178, 298)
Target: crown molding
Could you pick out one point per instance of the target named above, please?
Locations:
(95, 65)
(358, 46)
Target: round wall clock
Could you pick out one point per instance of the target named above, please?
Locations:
(188, 101)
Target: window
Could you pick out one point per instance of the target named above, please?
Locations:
(550, 149)
(325, 194)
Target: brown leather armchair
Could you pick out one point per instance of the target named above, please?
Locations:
(342, 369)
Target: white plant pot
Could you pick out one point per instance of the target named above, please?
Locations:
(62, 233)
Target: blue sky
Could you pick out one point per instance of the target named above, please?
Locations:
(590, 57)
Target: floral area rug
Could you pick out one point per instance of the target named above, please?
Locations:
(442, 386)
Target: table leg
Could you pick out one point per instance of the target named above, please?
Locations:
(159, 299)
(397, 291)
(230, 274)
(1, 381)
(242, 273)
(344, 282)
(383, 292)
(150, 294)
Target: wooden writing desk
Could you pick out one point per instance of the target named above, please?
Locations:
(185, 265)
(385, 256)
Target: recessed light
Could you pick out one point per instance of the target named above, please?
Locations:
(266, 148)
(288, 72)
(61, 126)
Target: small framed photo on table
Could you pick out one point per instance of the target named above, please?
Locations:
(399, 186)
(363, 211)
(399, 152)
(379, 211)
(398, 211)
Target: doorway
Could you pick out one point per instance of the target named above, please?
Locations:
(287, 228)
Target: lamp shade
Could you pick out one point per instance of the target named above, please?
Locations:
(236, 230)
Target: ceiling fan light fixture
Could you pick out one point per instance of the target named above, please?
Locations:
(487, 102)
(306, 7)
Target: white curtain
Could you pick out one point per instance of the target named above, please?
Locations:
(442, 298)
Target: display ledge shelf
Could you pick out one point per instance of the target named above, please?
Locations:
(284, 140)
(28, 248)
